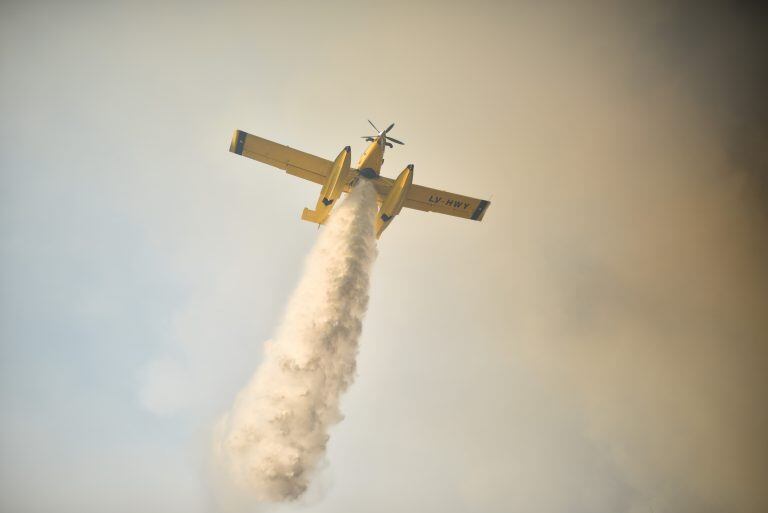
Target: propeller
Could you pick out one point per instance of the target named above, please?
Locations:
(382, 135)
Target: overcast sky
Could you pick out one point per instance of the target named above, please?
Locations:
(596, 344)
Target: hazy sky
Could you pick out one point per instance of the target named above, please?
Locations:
(597, 344)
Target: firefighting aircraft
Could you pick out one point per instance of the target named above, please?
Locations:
(338, 176)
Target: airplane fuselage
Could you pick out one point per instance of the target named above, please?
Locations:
(372, 159)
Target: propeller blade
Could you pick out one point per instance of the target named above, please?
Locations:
(389, 128)
(374, 126)
(388, 144)
(394, 140)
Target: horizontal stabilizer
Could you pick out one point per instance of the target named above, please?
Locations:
(313, 216)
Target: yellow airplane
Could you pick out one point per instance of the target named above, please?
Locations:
(339, 176)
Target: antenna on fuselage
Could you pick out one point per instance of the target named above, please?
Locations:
(382, 135)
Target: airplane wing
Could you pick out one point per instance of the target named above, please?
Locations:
(433, 200)
(316, 169)
(294, 162)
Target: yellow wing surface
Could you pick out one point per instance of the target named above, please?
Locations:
(443, 202)
(434, 200)
(316, 169)
(292, 161)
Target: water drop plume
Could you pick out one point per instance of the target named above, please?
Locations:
(277, 430)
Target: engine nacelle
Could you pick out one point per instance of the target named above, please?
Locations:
(394, 201)
(332, 189)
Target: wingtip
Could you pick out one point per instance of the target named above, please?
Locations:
(480, 211)
(238, 141)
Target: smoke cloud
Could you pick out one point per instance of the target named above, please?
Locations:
(277, 431)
